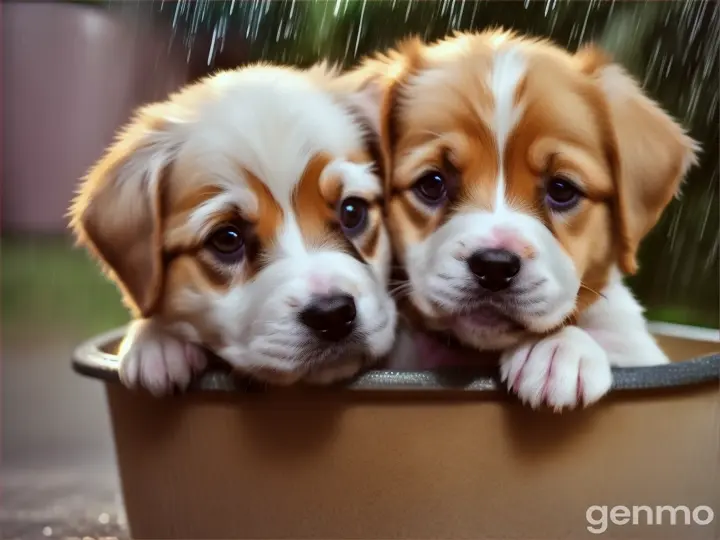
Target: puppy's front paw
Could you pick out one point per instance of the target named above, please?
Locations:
(153, 359)
(563, 370)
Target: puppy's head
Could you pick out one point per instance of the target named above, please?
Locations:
(245, 213)
(520, 175)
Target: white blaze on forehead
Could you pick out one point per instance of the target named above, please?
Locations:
(507, 72)
(290, 242)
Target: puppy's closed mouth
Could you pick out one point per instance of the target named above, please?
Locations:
(433, 350)
(321, 355)
(316, 368)
(488, 316)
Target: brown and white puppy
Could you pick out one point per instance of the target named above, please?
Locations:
(243, 214)
(522, 179)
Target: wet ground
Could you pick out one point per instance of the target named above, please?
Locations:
(59, 478)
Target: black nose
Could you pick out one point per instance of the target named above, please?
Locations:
(494, 268)
(331, 318)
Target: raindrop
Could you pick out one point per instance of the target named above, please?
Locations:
(585, 22)
(360, 27)
(474, 13)
(669, 65)
(213, 43)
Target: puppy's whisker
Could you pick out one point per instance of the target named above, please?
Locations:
(401, 290)
(599, 294)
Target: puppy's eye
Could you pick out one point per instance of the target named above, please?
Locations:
(431, 188)
(227, 243)
(561, 194)
(353, 215)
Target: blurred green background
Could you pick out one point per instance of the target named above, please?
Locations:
(48, 287)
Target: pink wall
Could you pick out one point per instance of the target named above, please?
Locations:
(72, 75)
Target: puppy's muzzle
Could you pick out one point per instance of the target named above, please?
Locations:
(494, 269)
(330, 318)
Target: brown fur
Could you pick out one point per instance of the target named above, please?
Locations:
(314, 212)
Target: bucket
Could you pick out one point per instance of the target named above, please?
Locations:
(421, 455)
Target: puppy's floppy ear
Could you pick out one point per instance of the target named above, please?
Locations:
(651, 153)
(372, 91)
(364, 94)
(117, 212)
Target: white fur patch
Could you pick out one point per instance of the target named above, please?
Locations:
(358, 180)
(508, 71)
(617, 323)
(236, 197)
(290, 242)
(271, 121)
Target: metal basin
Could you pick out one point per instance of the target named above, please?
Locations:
(422, 455)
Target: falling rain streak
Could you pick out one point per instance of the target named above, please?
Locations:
(672, 48)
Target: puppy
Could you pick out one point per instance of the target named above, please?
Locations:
(522, 179)
(243, 215)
